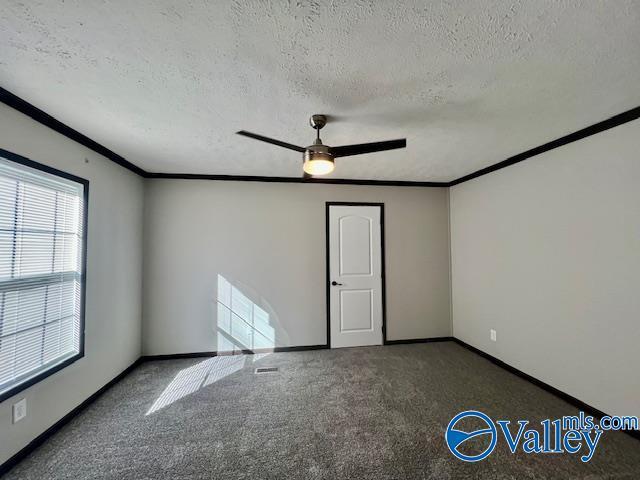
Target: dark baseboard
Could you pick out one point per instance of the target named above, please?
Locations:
(418, 340)
(44, 436)
(40, 439)
(579, 404)
(176, 356)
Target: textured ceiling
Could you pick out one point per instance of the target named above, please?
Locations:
(166, 84)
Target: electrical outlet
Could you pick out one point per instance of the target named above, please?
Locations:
(19, 410)
(493, 335)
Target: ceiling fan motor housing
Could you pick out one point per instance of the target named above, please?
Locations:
(318, 148)
(317, 152)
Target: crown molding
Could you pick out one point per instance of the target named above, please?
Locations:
(614, 121)
(44, 118)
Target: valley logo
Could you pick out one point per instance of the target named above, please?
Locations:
(472, 436)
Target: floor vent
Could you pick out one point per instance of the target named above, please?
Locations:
(266, 369)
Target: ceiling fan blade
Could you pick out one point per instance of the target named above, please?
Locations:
(271, 140)
(346, 150)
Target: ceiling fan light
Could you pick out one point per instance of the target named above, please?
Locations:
(318, 163)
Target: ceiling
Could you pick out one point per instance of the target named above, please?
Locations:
(166, 84)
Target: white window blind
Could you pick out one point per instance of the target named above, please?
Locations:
(41, 242)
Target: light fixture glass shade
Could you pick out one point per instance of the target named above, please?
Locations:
(318, 163)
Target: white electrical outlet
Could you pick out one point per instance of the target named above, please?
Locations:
(493, 335)
(19, 410)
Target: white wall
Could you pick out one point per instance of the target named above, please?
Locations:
(114, 268)
(547, 252)
(268, 239)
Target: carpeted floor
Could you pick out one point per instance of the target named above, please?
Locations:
(358, 413)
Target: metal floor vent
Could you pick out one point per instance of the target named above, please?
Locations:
(266, 369)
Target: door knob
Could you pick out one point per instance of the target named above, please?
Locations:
(334, 283)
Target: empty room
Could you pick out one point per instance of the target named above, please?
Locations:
(299, 239)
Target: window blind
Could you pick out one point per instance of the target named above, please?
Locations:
(41, 242)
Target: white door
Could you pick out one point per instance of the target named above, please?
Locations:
(355, 275)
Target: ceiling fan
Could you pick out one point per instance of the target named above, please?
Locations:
(319, 158)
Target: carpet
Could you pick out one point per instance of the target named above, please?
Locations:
(355, 413)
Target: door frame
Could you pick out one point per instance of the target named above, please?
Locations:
(328, 205)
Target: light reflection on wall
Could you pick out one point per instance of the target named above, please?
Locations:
(242, 325)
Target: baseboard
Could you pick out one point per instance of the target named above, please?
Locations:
(40, 439)
(175, 356)
(579, 404)
(418, 340)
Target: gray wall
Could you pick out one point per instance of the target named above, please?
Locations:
(547, 252)
(114, 269)
(268, 239)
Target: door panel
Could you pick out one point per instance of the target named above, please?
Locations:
(355, 245)
(355, 265)
(356, 310)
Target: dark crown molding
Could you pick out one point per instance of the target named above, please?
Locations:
(335, 181)
(44, 118)
(614, 121)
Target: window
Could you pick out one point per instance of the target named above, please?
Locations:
(42, 258)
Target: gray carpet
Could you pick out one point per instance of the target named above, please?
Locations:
(358, 413)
